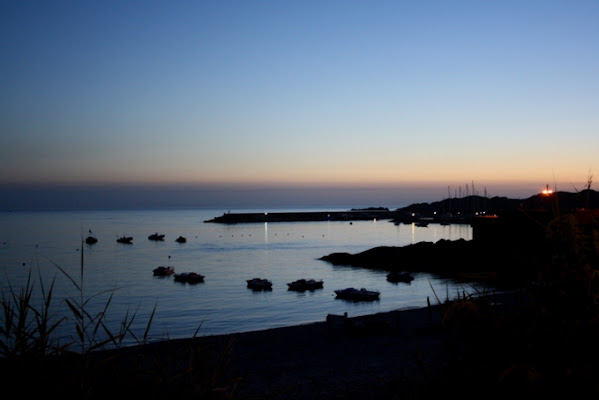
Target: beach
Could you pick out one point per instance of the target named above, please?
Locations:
(470, 347)
(489, 346)
(409, 353)
(387, 355)
(485, 346)
(377, 356)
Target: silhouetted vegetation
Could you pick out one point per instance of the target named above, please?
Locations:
(96, 364)
(545, 342)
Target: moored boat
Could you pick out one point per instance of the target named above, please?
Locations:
(396, 276)
(181, 239)
(259, 284)
(189, 277)
(125, 239)
(156, 236)
(357, 294)
(91, 240)
(164, 270)
(305, 284)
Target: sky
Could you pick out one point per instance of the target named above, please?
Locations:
(295, 103)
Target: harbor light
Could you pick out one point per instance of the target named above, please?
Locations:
(547, 191)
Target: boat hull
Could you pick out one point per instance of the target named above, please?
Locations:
(303, 285)
(357, 295)
(396, 277)
(259, 284)
(189, 277)
(164, 271)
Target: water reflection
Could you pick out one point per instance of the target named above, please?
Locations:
(266, 232)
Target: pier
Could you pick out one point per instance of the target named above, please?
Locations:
(350, 215)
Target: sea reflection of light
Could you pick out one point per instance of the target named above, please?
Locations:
(266, 232)
(435, 232)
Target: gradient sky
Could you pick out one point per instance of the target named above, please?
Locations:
(300, 94)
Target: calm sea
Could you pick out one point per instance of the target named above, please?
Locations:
(226, 254)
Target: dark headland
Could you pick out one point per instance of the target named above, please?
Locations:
(511, 238)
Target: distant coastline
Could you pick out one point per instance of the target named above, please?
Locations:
(451, 210)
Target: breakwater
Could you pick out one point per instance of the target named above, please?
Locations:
(350, 215)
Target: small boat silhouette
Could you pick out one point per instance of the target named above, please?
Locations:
(259, 284)
(164, 271)
(305, 284)
(125, 240)
(189, 277)
(156, 236)
(357, 294)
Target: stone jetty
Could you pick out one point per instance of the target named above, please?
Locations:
(308, 216)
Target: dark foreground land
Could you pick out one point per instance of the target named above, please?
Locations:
(495, 346)
(534, 337)
(378, 356)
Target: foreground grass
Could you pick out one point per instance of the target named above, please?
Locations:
(96, 364)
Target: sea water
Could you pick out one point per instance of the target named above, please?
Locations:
(48, 248)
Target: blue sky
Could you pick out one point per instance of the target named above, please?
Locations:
(381, 96)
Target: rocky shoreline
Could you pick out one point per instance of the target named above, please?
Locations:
(464, 260)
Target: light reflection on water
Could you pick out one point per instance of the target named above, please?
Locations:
(226, 254)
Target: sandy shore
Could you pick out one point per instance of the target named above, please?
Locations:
(403, 354)
(399, 354)
(363, 357)
(387, 355)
